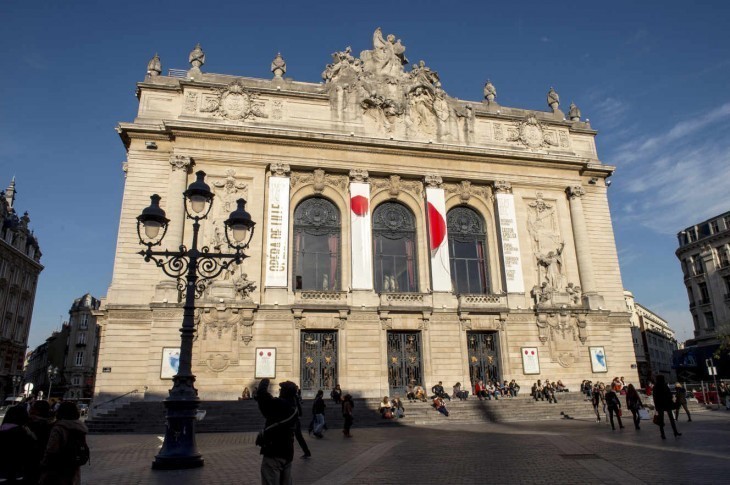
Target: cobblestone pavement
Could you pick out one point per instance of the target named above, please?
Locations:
(567, 451)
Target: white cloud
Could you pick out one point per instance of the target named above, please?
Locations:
(673, 179)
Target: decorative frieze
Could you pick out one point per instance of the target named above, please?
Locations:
(279, 169)
(359, 175)
(180, 162)
(319, 180)
(235, 102)
(466, 190)
(394, 185)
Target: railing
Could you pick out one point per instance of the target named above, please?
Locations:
(118, 397)
(397, 298)
(320, 297)
(482, 301)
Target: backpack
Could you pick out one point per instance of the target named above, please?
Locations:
(76, 452)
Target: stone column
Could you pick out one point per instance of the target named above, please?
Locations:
(583, 248)
(509, 239)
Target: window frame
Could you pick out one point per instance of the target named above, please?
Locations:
(400, 225)
(469, 231)
(310, 225)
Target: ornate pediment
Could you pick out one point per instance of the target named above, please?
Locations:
(234, 102)
(532, 134)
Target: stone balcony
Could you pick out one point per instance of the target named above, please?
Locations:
(482, 302)
(406, 300)
(319, 298)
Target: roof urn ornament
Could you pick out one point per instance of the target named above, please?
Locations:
(553, 100)
(154, 67)
(574, 113)
(278, 66)
(490, 92)
(196, 58)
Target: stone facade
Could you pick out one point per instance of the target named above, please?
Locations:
(19, 269)
(654, 342)
(79, 368)
(374, 154)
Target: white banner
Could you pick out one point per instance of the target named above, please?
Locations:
(362, 243)
(277, 235)
(510, 243)
(438, 240)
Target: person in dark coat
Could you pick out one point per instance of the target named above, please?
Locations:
(663, 404)
(278, 447)
(40, 424)
(614, 407)
(66, 428)
(681, 401)
(17, 446)
(296, 402)
(318, 412)
(347, 405)
(634, 404)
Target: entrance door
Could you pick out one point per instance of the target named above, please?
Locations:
(404, 361)
(483, 348)
(319, 360)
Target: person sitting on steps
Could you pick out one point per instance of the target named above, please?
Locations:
(386, 408)
(438, 391)
(439, 405)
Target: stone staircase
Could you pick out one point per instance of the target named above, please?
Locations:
(239, 416)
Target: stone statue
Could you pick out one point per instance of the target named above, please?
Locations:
(387, 57)
(154, 67)
(553, 100)
(541, 294)
(278, 66)
(552, 264)
(574, 113)
(244, 287)
(197, 57)
(575, 293)
(490, 92)
(325, 282)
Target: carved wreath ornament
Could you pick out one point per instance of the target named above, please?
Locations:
(531, 133)
(234, 102)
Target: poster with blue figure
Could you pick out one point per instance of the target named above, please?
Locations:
(170, 362)
(598, 359)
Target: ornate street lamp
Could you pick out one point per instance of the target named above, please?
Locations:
(193, 268)
(52, 374)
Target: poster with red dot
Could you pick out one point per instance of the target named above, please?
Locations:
(265, 363)
(530, 361)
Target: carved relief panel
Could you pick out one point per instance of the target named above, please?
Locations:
(565, 333)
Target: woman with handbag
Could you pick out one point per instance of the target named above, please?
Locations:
(634, 404)
(614, 407)
(663, 404)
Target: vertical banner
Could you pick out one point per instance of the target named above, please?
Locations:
(361, 231)
(277, 235)
(510, 243)
(438, 240)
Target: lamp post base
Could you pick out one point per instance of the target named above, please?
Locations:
(179, 450)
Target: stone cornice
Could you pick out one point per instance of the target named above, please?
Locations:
(336, 141)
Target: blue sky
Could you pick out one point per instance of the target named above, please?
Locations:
(651, 76)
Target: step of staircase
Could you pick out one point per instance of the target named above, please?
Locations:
(241, 416)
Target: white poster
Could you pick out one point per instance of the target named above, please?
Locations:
(510, 243)
(277, 236)
(265, 363)
(598, 359)
(170, 362)
(362, 244)
(530, 361)
(438, 240)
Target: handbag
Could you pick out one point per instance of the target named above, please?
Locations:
(657, 419)
(262, 440)
(618, 413)
(643, 414)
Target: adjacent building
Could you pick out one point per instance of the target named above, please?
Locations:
(403, 235)
(20, 266)
(83, 345)
(704, 254)
(50, 354)
(654, 343)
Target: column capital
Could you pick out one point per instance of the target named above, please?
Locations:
(433, 181)
(181, 162)
(359, 175)
(280, 169)
(502, 187)
(574, 191)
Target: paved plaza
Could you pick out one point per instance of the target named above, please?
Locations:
(567, 451)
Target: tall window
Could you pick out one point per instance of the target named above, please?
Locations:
(316, 245)
(722, 256)
(79, 358)
(84, 321)
(394, 241)
(82, 338)
(698, 266)
(467, 244)
(709, 321)
(704, 293)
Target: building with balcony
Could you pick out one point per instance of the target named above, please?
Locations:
(20, 266)
(704, 254)
(51, 353)
(402, 235)
(83, 346)
(654, 343)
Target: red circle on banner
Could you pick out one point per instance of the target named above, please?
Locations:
(359, 205)
(268, 354)
(261, 353)
(525, 352)
(436, 226)
(533, 352)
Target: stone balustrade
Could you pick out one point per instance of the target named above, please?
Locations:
(478, 302)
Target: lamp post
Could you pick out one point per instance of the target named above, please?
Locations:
(193, 268)
(52, 373)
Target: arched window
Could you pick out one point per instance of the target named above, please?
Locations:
(316, 245)
(467, 250)
(394, 242)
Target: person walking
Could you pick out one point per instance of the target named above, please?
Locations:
(68, 433)
(680, 394)
(633, 404)
(336, 394)
(40, 424)
(596, 399)
(663, 404)
(318, 413)
(347, 407)
(277, 444)
(295, 402)
(614, 407)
